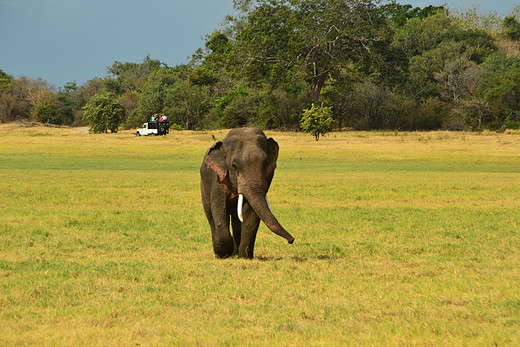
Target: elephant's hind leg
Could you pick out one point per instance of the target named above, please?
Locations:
(237, 231)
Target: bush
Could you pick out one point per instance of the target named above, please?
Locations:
(374, 106)
(242, 111)
(238, 108)
(512, 125)
(277, 110)
(47, 112)
(317, 121)
(429, 115)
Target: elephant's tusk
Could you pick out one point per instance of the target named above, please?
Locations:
(268, 204)
(239, 207)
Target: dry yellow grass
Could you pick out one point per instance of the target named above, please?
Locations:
(401, 239)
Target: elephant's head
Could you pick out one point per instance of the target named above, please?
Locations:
(244, 162)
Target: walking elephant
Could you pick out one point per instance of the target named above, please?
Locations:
(235, 176)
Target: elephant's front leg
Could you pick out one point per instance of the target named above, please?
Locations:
(248, 232)
(223, 244)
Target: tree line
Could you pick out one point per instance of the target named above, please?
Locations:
(370, 64)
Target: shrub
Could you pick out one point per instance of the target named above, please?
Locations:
(428, 115)
(317, 120)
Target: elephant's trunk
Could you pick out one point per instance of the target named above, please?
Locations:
(240, 206)
(261, 206)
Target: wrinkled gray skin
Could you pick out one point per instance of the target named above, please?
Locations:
(242, 163)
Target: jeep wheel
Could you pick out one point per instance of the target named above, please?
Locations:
(137, 134)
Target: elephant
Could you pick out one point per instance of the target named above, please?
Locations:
(236, 174)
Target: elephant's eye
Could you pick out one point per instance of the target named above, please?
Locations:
(234, 166)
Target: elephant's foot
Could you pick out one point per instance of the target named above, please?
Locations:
(224, 248)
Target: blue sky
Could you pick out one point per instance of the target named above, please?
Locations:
(62, 41)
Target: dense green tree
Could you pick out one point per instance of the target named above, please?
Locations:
(434, 44)
(187, 104)
(313, 40)
(227, 111)
(475, 44)
(202, 76)
(418, 34)
(338, 93)
(47, 112)
(499, 86)
(103, 113)
(218, 46)
(70, 100)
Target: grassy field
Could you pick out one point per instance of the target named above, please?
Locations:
(401, 239)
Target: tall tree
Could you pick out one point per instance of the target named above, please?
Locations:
(308, 39)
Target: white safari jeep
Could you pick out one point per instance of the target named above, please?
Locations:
(153, 128)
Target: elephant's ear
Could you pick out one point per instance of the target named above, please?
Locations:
(215, 159)
(272, 156)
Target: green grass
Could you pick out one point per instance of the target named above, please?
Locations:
(401, 239)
